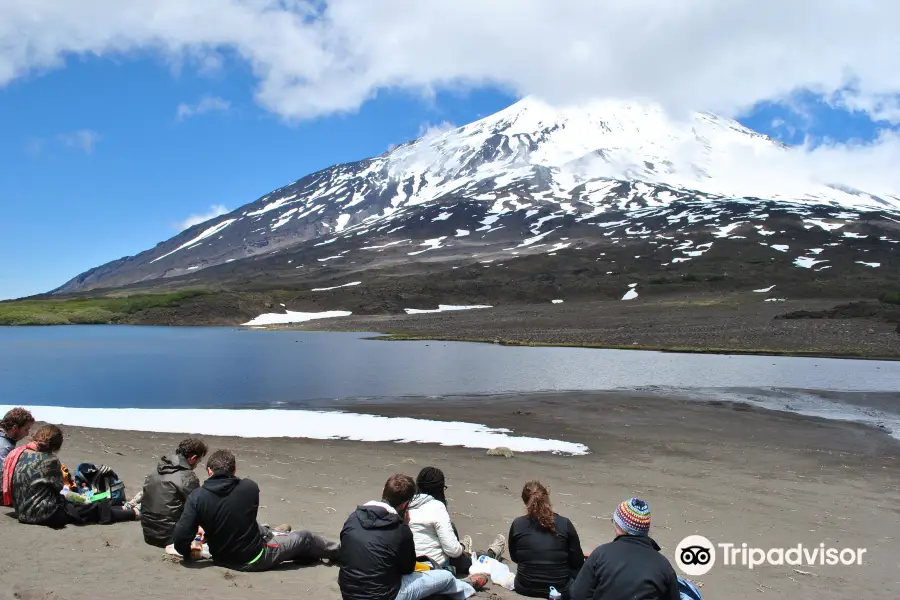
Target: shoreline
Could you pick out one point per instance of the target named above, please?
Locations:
(403, 337)
(732, 473)
(739, 324)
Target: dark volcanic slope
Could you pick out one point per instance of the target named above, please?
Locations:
(530, 203)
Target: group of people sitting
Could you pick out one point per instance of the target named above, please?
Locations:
(403, 546)
(39, 487)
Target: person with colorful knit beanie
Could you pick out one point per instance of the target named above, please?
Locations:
(631, 565)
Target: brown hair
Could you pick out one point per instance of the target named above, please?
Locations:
(192, 447)
(222, 462)
(398, 489)
(537, 503)
(48, 438)
(16, 417)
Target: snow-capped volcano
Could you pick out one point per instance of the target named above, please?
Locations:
(524, 179)
(614, 140)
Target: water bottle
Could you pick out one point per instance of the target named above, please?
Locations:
(554, 594)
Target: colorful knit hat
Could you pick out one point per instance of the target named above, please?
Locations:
(633, 517)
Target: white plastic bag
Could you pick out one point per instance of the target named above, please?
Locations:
(499, 572)
(204, 552)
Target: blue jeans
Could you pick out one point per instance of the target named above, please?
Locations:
(423, 584)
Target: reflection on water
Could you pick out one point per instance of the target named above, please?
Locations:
(162, 367)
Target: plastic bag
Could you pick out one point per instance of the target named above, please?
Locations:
(499, 572)
(204, 552)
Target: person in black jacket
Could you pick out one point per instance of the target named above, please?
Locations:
(225, 507)
(166, 491)
(378, 556)
(544, 545)
(630, 567)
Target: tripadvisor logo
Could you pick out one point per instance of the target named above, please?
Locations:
(695, 555)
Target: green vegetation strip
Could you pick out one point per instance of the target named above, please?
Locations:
(87, 311)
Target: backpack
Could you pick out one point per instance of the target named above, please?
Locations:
(688, 590)
(88, 474)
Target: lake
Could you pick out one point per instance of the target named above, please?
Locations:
(167, 367)
(174, 367)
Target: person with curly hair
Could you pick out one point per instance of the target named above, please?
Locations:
(544, 545)
(166, 491)
(33, 481)
(14, 426)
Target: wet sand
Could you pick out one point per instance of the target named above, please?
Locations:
(730, 472)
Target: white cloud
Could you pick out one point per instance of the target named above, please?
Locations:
(689, 54)
(216, 210)
(83, 139)
(205, 105)
(311, 60)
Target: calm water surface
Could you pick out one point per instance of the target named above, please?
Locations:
(162, 367)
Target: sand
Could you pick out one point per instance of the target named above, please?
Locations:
(732, 473)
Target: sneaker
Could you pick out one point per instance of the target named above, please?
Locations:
(478, 581)
(467, 545)
(497, 547)
(283, 528)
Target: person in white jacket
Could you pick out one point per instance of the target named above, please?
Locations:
(434, 534)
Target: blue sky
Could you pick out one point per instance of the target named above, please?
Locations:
(98, 162)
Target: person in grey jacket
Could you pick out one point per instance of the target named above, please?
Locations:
(165, 492)
(14, 426)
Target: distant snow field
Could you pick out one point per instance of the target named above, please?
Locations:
(806, 262)
(295, 317)
(317, 425)
(632, 293)
(325, 289)
(442, 308)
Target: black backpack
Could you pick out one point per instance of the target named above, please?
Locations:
(89, 474)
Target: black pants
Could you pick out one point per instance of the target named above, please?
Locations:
(295, 546)
(93, 512)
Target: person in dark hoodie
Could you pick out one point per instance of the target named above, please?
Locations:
(166, 491)
(378, 555)
(630, 567)
(225, 506)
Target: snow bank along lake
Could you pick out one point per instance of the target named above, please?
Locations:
(231, 373)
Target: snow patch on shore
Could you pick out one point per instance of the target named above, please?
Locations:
(441, 308)
(295, 317)
(317, 425)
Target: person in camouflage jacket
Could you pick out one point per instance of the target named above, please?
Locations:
(37, 481)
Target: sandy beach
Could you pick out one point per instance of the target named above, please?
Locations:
(729, 472)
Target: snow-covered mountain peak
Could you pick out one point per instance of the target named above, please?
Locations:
(518, 179)
(617, 139)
